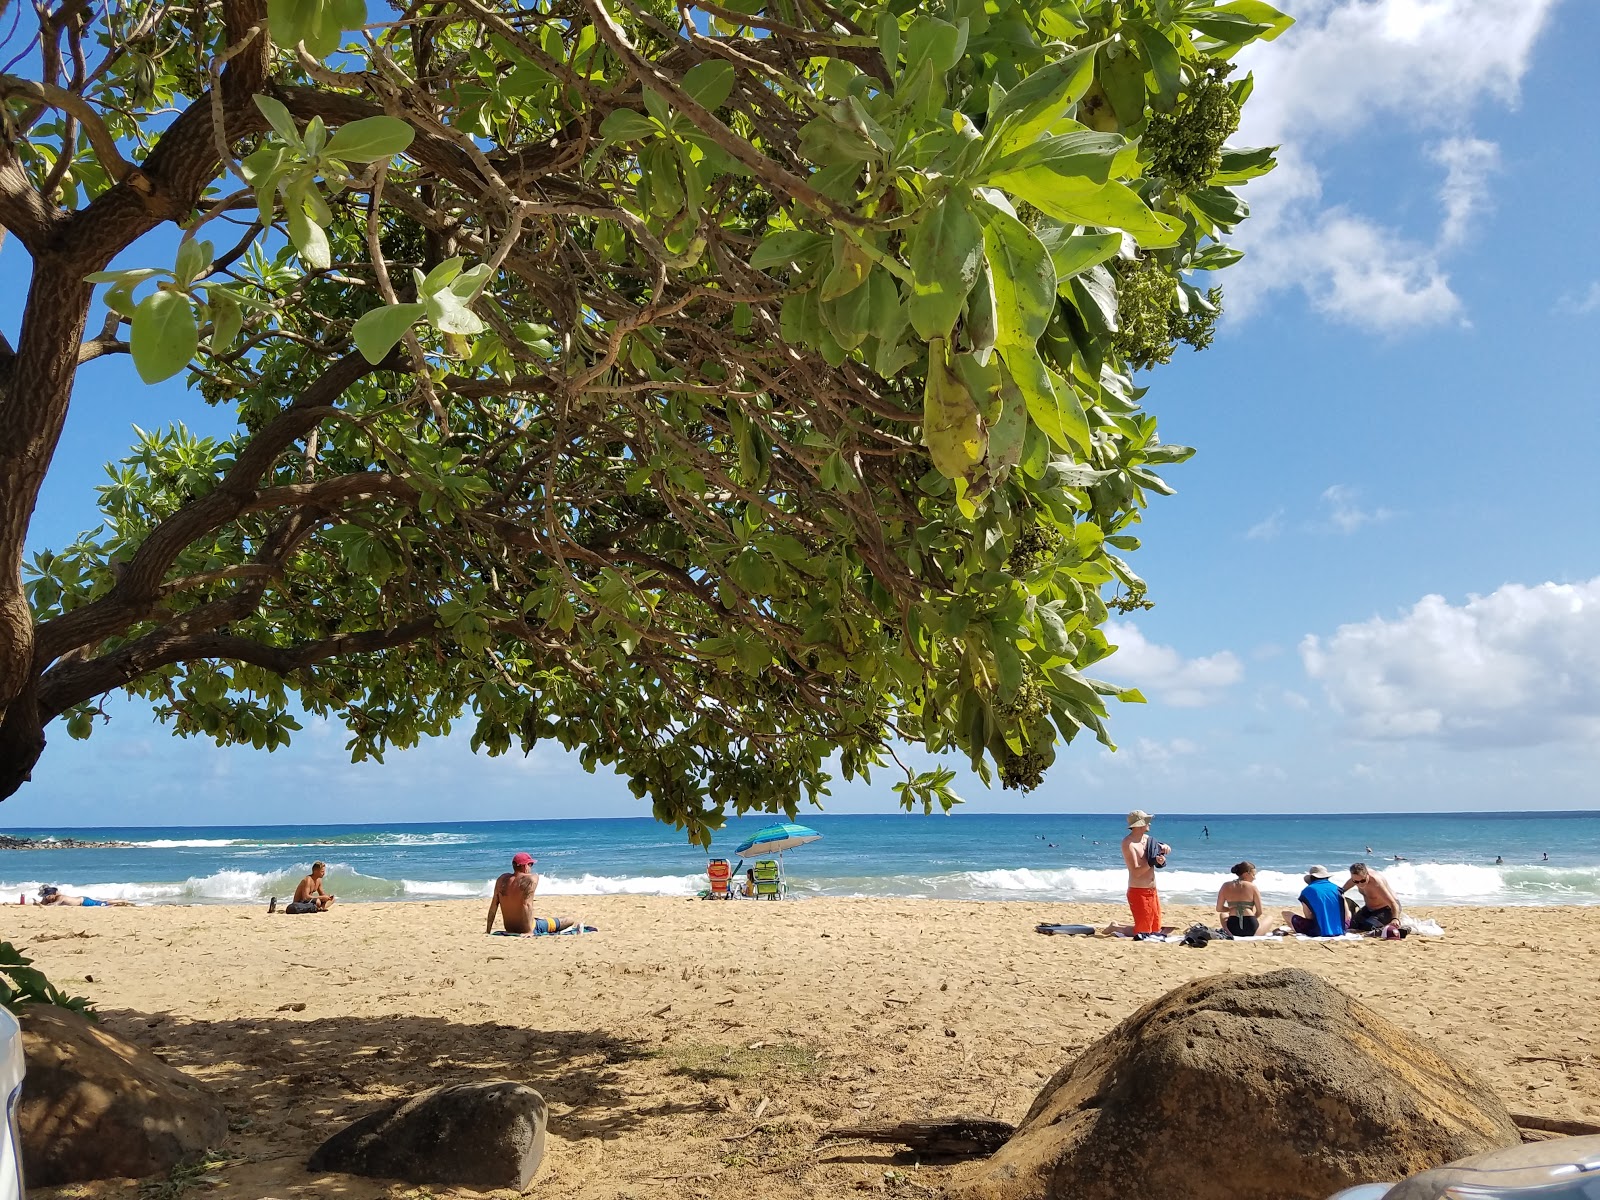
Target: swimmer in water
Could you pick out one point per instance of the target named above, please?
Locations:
(1499, 861)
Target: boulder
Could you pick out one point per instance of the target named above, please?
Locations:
(480, 1135)
(1243, 1087)
(97, 1107)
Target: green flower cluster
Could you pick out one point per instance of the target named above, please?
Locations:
(1034, 546)
(1186, 145)
(1150, 318)
(1028, 708)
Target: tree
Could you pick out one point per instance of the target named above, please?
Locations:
(712, 388)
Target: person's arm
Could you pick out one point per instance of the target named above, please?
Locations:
(494, 907)
(1222, 905)
(1347, 885)
(1255, 898)
(1129, 859)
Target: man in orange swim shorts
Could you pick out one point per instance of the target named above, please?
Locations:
(1141, 853)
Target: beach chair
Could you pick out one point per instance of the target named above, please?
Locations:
(718, 873)
(769, 880)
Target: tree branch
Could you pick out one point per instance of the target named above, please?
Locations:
(105, 146)
(74, 682)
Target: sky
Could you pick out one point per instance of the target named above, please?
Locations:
(1378, 587)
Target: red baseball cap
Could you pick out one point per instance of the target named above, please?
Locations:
(522, 859)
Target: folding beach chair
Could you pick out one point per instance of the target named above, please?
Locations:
(718, 873)
(769, 880)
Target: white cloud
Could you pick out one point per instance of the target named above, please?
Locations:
(1344, 512)
(1349, 67)
(1582, 304)
(1268, 528)
(1165, 675)
(1520, 666)
(1468, 164)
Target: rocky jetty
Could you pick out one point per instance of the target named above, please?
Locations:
(7, 842)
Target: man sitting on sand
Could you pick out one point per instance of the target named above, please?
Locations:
(1321, 907)
(54, 895)
(513, 897)
(1379, 903)
(309, 896)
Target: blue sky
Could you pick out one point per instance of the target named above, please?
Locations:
(1379, 585)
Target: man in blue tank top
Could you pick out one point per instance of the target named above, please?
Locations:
(1321, 907)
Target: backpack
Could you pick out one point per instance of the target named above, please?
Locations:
(1150, 856)
(1198, 936)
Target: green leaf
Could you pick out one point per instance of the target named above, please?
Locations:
(1041, 99)
(1055, 408)
(851, 265)
(227, 319)
(441, 277)
(370, 139)
(276, 113)
(1164, 63)
(1111, 206)
(951, 428)
(709, 82)
(1080, 157)
(1073, 253)
(944, 251)
(309, 238)
(379, 330)
(164, 337)
(448, 313)
(1122, 77)
(787, 246)
(1024, 279)
(193, 258)
(625, 125)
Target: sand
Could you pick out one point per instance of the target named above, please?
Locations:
(693, 1049)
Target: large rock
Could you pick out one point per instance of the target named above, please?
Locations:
(483, 1135)
(97, 1107)
(1243, 1087)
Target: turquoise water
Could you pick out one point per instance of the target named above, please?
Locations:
(1449, 858)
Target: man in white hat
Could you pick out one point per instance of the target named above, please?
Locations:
(1142, 854)
(1321, 907)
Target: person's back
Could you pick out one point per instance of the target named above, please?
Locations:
(515, 892)
(1326, 906)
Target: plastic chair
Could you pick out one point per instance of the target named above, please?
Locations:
(769, 880)
(718, 873)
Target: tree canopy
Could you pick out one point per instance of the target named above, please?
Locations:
(719, 389)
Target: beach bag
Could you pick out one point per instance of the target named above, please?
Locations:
(1150, 856)
(1198, 936)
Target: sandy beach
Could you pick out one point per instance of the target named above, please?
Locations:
(697, 1049)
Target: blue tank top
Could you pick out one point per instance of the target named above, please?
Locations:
(1326, 905)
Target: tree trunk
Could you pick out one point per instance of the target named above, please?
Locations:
(34, 394)
(21, 742)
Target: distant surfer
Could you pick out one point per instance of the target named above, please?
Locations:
(1206, 829)
(1547, 856)
(1369, 849)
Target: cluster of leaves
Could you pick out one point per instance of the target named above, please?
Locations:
(786, 412)
(22, 983)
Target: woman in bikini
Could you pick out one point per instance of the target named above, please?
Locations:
(1239, 900)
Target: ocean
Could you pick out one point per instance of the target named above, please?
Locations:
(1546, 858)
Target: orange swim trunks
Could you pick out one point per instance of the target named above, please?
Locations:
(1146, 906)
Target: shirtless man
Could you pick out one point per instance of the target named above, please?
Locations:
(54, 895)
(513, 898)
(309, 896)
(1379, 903)
(1143, 901)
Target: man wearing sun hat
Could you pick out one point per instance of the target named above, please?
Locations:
(1142, 854)
(513, 898)
(1321, 907)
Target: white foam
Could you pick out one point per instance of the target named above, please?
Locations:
(629, 885)
(183, 843)
(445, 887)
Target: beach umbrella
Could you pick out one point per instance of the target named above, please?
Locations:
(775, 839)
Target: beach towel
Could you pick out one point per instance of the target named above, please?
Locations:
(546, 932)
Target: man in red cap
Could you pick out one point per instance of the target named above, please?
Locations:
(513, 899)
